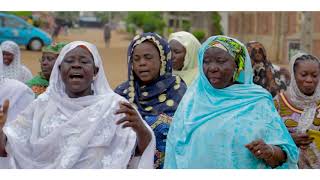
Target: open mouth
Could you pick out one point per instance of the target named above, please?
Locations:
(143, 72)
(75, 76)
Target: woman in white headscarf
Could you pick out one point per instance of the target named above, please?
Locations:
(79, 122)
(184, 47)
(19, 94)
(299, 107)
(13, 68)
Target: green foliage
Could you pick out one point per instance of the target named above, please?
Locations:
(199, 34)
(148, 21)
(103, 16)
(186, 25)
(20, 13)
(216, 19)
(67, 15)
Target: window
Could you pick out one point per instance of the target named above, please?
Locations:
(12, 23)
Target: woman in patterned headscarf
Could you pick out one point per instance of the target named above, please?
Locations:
(226, 121)
(49, 55)
(151, 87)
(264, 73)
(299, 106)
(12, 67)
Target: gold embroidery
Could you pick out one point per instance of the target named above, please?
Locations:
(170, 102)
(162, 98)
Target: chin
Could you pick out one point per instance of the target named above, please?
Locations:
(308, 93)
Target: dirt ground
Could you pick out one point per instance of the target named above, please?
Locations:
(114, 57)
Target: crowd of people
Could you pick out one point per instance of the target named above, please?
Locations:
(220, 104)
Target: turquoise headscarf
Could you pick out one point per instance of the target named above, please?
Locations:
(212, 126)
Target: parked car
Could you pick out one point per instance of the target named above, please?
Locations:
(18, 30)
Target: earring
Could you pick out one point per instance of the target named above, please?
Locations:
(94, 78)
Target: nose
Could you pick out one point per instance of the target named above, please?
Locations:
(76, 64)
(143, 62)
(213, 68)
(309, 79)
(45, 62)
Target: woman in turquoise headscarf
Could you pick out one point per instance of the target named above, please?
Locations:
(226, 121)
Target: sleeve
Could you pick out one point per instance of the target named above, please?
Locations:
(146, 160)
(277, 134)
(22, 102)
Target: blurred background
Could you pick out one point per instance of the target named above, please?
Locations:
(282, 33)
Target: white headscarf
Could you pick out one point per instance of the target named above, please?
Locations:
(89, 138)
(192, 46)
(302, 101)
(15, 70)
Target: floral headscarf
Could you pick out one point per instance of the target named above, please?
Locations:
(234, 49)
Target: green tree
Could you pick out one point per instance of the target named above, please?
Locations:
(68, 15)
(216, 19)
(103, 16)
(148, 21)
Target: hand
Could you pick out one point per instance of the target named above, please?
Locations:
(4, 113)
(133, 120)
(302, 140)
(260, 149)
(273, 156)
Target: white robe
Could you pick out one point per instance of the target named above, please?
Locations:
(56, 131)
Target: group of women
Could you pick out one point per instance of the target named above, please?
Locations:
(185, 105)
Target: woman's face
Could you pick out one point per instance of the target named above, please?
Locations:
(146, 62)
(257, 55)
(219, 67)
(307, 76)
(77, 71)
(178, 54)
(7, 57)
(47, 62)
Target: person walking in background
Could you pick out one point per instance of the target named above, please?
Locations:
(107, 34)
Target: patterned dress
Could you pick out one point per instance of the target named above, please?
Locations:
(157, 101)
(309, 158)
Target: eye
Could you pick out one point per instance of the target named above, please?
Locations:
(315, 75)
(221, 60)
(177, 51)
(148, 56)
(303, 74)
(136, 58)
(206, 61)
(86, 61)
(50, 59)
(68, 60)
